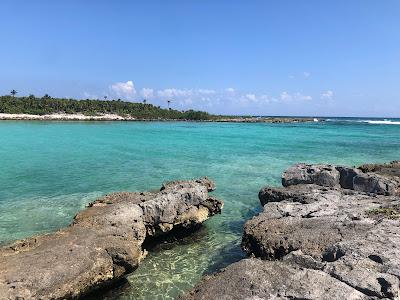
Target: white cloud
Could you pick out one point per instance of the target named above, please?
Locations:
(286, 97)
(306, 74)
(265, 98)
(327, 95)
(206, 91)
(147, 93)
(299, 96)
(226, 99)
(124, 89)
(186, 101)
(251, 97)
(172, 92)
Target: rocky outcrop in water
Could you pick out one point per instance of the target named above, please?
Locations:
(331, 232)
(103, 243)
(267, 119)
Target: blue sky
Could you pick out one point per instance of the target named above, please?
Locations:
(337, 58)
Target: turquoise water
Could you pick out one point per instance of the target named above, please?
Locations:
(51, 170)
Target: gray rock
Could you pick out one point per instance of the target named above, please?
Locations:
(324, 175)
(378, 179)
(333, 227)
(376, 183)
(103, 243)
(347, 176)
(387, 169)
(350, 234)
(256, 279)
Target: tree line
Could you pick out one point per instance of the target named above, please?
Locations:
(48, 105)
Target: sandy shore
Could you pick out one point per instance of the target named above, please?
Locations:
(65, 117)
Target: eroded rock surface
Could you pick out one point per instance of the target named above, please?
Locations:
(103, 243)
(383, 179)
(329, 234)
(254, 279)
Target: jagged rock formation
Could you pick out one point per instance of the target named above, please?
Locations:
(103, 243)
(379, 179)
(332, 232)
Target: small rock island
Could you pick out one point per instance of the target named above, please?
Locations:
(332, 232)
(104, 242)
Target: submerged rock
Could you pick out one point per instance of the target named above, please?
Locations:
(103, 243)
(332, 233)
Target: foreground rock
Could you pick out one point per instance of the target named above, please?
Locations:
(104, 242)
(332, 233)
(254, 279)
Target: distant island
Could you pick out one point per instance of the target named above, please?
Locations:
(49, 108)
(47, 105)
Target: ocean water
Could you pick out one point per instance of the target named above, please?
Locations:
(51, 170)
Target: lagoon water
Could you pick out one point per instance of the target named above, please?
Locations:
(51, 170)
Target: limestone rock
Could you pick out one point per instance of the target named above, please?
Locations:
(333, 232)
(325, 175)
(375, 183)
(347, 175)
(351, 235)
(256, 279)
(381, 179)
(103, 243)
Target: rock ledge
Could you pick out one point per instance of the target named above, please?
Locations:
(103, 243)
(332, 232)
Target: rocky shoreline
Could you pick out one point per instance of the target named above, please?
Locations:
(331, 232)
(103, 243)
(269, 120)
(114, 117)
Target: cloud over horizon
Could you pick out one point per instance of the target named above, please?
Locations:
(327, 95)
(124, 89)
(216, 101)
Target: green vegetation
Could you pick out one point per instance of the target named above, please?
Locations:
(388, 212)
(49, 105)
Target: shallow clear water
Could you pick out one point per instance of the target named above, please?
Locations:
(51, 170)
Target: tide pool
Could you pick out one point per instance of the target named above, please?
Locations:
(51, 170)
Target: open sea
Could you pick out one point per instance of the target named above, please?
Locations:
(50, 170)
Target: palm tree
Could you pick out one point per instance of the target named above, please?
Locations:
(144, 101)
(105, 97)
(13, 92)
(169, 101)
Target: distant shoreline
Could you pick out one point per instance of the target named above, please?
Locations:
(114, 117)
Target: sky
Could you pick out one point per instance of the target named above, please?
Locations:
(304, 58)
